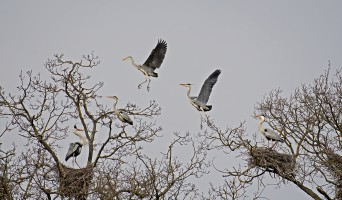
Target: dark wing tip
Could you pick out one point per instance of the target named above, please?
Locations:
(217, 72)
(213, 76)
(162, 42)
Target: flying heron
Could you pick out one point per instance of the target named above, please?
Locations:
(122, 115)
(153, 62)
(76, 147)
(200, 102)
(269, 134)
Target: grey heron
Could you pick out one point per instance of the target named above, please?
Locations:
(200, 102)
(122, 115)
(153, 62)
(269, 134)
(76, 147)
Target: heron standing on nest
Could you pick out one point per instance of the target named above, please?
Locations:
(269, 134)
(76, 147)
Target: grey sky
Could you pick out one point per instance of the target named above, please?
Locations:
(258, 45)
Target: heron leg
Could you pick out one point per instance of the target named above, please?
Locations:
(202, 117)
(146, 79)
(77, 163)
(148, 84)
(273, 144)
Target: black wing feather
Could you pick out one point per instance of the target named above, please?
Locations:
(208, 86)
(157, 55)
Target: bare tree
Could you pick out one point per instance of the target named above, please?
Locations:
(310, 121)
(42, 112)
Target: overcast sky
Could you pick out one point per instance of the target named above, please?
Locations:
(258, 45)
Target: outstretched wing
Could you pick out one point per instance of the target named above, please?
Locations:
(157, 55)
(207, 86)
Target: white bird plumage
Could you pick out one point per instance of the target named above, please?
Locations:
(153, 62)
(122, 115)
(269, 134)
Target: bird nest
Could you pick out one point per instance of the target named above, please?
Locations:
(272, 161)
(333, 163)
(75, 182)
(5, 188)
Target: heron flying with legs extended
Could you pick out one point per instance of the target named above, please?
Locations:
(200, 102)
(153, 62)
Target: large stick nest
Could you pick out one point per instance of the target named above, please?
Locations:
(333, 162)
(5, 188)
(75, 182)
(272, 161)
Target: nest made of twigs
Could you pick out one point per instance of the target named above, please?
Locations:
(272, 161)
(75, 182)
(333, 162)
(4, 188)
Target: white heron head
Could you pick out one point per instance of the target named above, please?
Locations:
(186, 84)
(77, 130)
(127, 58)
(112, 97)
(261, 117)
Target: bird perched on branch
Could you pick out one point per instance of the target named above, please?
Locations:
(200, 102)
(152, 63)
(269, 134)
(76, 147)
(122, 115)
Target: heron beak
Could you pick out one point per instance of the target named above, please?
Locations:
(109, 97)
(125, 58)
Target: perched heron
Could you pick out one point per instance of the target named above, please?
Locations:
(122, 115)
(200, 102)
(76, 147)
(269, 134)
(153, 62)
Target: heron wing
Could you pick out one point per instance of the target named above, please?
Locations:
(71, 150)
(269, 133)
(207, 86)
(74, 150)
(157, 55)
(126, 117)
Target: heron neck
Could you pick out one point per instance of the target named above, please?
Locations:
(260, 123)
(188, 93)
(115, 109)
(133, 63)
(83, 140)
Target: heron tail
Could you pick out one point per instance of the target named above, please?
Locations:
(208, 107)
(154, 74)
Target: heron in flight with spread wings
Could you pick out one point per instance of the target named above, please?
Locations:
(269, 134)
(121, 113)
(76, 147)
(200, 102)
(153, 62)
